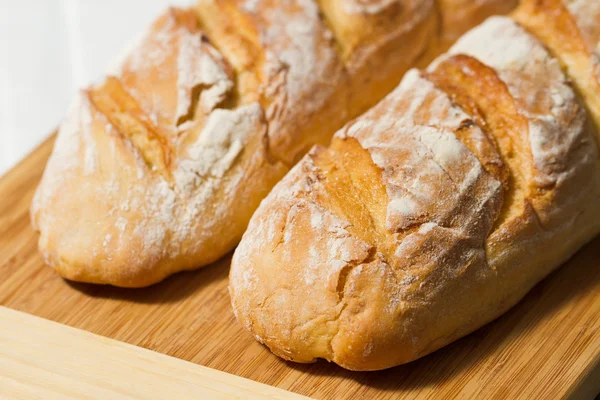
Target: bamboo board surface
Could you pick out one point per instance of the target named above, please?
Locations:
(548, 346)
(43, 359)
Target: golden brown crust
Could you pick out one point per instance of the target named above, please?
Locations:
(469, 82)
(205, 113)
(459, 13)
(457, 78)
(370, 253)
(303, 85)
(387, 36)
(571, 30)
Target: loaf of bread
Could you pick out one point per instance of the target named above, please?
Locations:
(438, 209)
(159, 167)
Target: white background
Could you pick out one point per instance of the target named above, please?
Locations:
(49, 49)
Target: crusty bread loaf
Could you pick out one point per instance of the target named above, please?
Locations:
(435, 211)
(159, 167)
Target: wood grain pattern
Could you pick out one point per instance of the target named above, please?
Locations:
(43, 359)
(546, 347)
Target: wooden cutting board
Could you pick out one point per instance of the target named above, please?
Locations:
(41, 359)
(548, 346)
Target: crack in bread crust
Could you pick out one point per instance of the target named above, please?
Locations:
(298, 72)
(133, 124)
(571, 31)
(469, 82)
